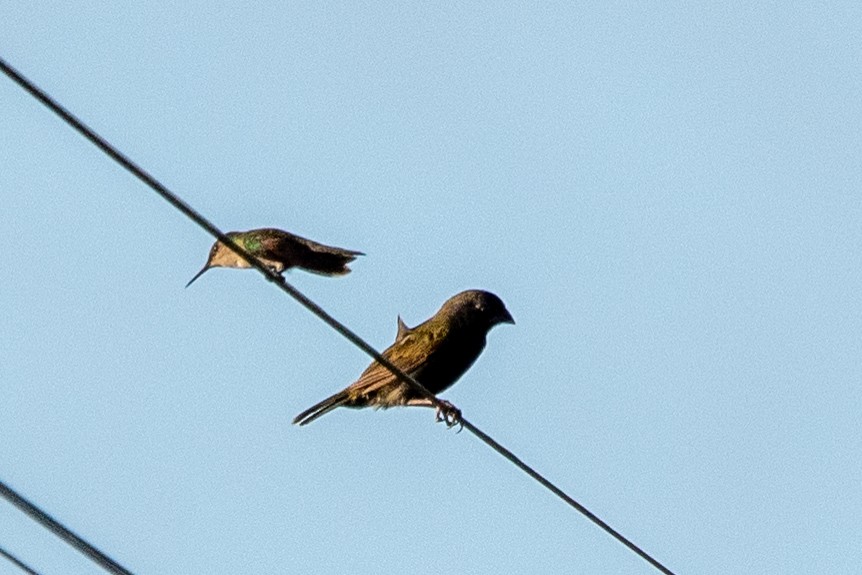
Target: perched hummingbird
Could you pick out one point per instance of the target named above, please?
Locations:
(436, 353)
(280, 250)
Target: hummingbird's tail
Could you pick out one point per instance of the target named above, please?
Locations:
(325, 406)
(330, 262)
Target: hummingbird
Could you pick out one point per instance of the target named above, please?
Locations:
(280, 250)
(436, 353)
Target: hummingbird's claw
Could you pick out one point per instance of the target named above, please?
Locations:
(449, 414)
(279, 279)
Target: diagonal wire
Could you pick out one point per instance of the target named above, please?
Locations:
(271, 276)
(18, 563)
(61, 531)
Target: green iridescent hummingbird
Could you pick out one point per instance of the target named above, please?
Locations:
(280, 250)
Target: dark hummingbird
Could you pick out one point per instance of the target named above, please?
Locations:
(436, 353)
(280, 250)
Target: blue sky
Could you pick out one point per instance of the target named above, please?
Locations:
(666, 198)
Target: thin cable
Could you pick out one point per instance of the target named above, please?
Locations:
(195, 216)
(563, 495)
(62, 531)
(18, 563)
(308, 304)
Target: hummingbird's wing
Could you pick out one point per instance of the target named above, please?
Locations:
(310, 255)
(273, 243)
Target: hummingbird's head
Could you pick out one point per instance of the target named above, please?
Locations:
(220, 256)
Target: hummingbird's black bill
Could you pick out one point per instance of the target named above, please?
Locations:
(197, 275)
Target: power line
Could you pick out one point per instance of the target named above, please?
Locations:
(60, 530)
(18, 563)
(192, 214)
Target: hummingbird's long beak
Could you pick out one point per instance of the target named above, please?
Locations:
(199, 274)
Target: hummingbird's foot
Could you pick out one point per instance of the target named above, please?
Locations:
(279, 279)
(449, 414)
